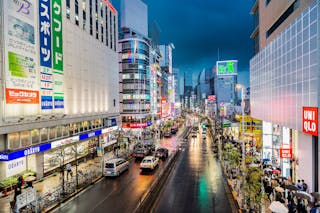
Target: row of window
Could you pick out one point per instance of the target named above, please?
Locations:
(19, 140)
(100, 18)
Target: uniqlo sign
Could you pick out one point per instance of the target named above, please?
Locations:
(285, 153)
(310, 120)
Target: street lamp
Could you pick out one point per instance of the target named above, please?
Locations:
(240, 86)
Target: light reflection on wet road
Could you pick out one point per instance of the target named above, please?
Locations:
(196, 183)
(120, 194)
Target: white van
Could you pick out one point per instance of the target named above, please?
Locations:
(115, 167)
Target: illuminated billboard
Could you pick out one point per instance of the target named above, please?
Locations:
(229, 67)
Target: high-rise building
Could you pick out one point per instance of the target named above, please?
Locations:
(205, 86)
(167, 86)
(58, 101)
(134, 50)
(284, 79)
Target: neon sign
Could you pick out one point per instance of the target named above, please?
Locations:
(229, 67)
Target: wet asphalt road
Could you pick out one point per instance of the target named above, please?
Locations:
(120, 194)
(196, 183)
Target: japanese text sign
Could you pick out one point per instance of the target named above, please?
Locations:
(45, 33)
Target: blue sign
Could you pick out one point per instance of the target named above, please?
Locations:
(149, 123)
(25, 152)
(113, 122)
(45, 33)
(58, 102)
(46, 102)
(89, 135)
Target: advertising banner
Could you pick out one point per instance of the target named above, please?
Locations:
(229, 67)
(310, 120)
(57, 54)
(45, 33)
(21, 77)
(57, 35)
(46, 88)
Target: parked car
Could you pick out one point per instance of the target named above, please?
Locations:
(149, 162)
(167, 134)
(140, 153)
(115, 167)
(162, 153)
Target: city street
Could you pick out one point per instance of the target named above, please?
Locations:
(196, 184)
(120, 194)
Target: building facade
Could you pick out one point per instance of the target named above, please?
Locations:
(134, 59)
(284, 77)
(59, 101)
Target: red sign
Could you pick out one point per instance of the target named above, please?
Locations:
(111, 7)
(134, 125)
(310, 120)
(285, 153)
(211, 97)
(21, 96)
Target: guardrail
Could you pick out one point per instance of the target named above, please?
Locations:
(147, 200)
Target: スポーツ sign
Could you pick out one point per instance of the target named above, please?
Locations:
(310, 120)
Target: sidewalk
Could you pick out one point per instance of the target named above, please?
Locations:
(48, 183)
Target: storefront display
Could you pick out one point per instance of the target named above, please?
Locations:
(65, 154)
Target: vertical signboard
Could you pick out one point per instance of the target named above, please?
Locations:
(46, 86)
(57, 54)
(310, 120)
(21, 77)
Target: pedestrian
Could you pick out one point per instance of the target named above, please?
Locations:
(20, 182)
(315, 208)
(69, 170)
(304, 186)
(299, 185)
(17, 191)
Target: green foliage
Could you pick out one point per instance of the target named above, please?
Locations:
(253, 186)
(14, 179)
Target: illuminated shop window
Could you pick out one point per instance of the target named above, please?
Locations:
(25, 139)
(44, 134)
(13, 141)
(52, 133)
(65, 130)
(35, 136)
(59, 131)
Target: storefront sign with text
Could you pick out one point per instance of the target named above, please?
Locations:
(310, 120)
(285, 153)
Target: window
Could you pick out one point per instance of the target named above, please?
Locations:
(96, 16)
(84, 15)
(25, 139)
(68, 9)
(76, 10)
(52, 133)
(90, 13)
(267, 2)
(114, 32)
(110, 19)
(102, 33)
(65, 130)
(44, 134)
(35, 136)
(59, 131)
(106, 20)
(282, 18)
(114, 102)
(13, 141)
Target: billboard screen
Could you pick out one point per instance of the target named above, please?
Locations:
(21, 75)
(229, 67)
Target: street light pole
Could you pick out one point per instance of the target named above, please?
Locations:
(243, 144)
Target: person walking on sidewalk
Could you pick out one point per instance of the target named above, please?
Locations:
(69, 170)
